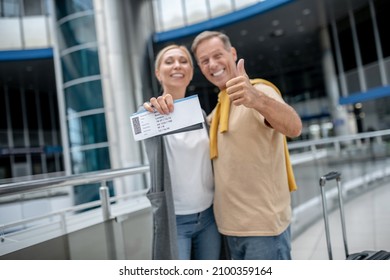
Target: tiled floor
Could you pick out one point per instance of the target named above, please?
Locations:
(367, 220)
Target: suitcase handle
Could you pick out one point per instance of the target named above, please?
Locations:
(330, 176)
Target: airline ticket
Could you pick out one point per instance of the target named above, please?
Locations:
(187, 112)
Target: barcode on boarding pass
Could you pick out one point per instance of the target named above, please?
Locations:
(136, 125)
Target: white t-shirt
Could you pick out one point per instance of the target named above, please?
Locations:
(190, 170)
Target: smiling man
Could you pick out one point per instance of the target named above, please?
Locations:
(253, 175)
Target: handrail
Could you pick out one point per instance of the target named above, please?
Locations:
(85, 178)
(69, 223)
(362, 135)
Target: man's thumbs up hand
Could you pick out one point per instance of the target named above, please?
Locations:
(241, 69)
(240, 89)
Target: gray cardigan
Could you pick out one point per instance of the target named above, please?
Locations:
(161, 199)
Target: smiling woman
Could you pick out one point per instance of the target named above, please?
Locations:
(174, 70)
(182, 185)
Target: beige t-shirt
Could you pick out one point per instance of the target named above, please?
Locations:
(252, 196)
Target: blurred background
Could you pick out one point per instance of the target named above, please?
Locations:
(72, 72)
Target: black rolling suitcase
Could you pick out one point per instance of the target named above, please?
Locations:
(364, 255)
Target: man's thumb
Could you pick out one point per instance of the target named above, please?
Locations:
(240, 68)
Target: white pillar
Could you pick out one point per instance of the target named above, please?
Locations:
(121, 77)
(338, 113)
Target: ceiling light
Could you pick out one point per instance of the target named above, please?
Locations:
(277, 33)
(306, 12)
(243, 32)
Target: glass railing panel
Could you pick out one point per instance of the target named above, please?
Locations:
(34, 212)
(362, 160)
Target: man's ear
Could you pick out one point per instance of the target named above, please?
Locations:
(234, 54)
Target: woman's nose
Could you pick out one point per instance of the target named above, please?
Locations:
(176, 64)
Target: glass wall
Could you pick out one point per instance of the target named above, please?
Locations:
(364, 45)
(382, 16)
(17, 8)
(364, 26)
(171, 14)
(30, 142)
(30, 138)
(82, 85)
(84, 105)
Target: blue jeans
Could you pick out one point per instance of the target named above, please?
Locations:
(261, 247)
(198, 237)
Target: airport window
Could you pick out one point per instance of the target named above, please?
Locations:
(46, 110)
(16, 8)
(346, 44)
(220, 7)
(32, 7)
(79, 64)
(20, 166)
(18, 138)
(90, 160)
(5, 168)
(16, 116)
(170, 14)
(244, 3)
(83, 97)
(78, 31)
(87, 130)
(36, 163)
(52, 163)
(10, 8)
(68, 7)
(97, 159)
(31, 109)
(382, 8)
(3, 115)
(48, 107)
(32, 118)
(196, 11)
(3, 139)
(365, 34)
(34, 139)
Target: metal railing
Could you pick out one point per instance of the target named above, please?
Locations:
(363, 159)
(11, 233)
